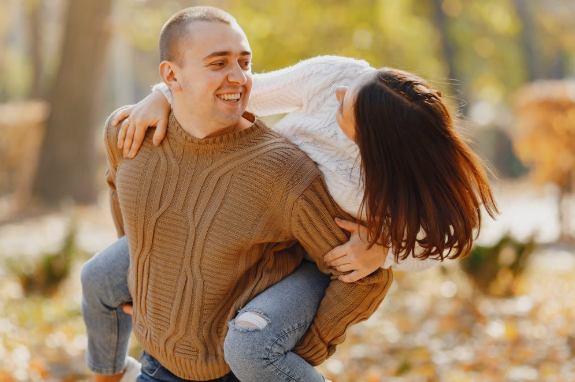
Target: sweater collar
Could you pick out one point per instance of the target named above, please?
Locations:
(256, 128)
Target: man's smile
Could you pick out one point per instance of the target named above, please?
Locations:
(230, 97)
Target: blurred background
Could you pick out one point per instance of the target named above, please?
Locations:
(505, 313)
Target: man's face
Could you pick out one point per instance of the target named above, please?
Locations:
(215, 73)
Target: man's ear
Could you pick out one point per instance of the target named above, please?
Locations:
(169, 76)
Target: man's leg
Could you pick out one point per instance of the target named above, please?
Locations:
(104, 290)
(259, 341)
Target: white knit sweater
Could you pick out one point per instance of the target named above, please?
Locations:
(306, 91)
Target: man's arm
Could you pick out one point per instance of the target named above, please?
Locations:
(114, 156)
(344, 304)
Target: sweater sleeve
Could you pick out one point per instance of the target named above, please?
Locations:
(292, 88)
(114, 157)
(344, 304)
(410, 264)
(161, 86)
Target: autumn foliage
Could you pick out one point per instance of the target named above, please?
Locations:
(546, 130)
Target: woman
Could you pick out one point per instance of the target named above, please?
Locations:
(390, 156)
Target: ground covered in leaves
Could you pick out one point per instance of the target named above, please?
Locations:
(432, 326)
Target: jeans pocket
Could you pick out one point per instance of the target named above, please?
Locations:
(150, 365)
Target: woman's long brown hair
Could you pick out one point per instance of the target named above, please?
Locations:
(424, 186)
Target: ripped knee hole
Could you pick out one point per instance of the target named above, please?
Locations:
(251, 320)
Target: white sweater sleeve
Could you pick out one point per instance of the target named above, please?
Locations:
(292, 88)
(410, 264)
(165, 91)
(277, 92)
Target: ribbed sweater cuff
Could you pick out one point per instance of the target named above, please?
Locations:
(165, 91)
(312, 348)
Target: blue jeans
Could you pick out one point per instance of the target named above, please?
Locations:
(153, 371)
(258, 352)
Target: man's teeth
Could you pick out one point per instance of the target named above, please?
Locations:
(230, 97)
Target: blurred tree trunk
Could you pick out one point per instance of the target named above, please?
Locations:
(449, 50)
(67, 160)
(557, 65)
(446, 43)
(528, 32)
(34, 20)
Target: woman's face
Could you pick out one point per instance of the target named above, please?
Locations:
(346, 96)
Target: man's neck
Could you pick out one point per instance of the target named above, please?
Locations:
(205, 129)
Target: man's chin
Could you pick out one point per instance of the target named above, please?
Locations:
(230, 119)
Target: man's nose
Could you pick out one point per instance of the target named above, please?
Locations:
(237, 75)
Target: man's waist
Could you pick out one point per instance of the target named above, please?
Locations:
(205, 366)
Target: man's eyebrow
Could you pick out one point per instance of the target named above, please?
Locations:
(226, 53)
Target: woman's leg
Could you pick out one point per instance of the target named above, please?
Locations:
(259, 341)
(104, 290)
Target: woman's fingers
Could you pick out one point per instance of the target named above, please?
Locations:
(346, 259)
(129, 138)
(352, 277)
(336, 253)
(138, 138)
(122, 115)
(344, 268)
(160, 131)
(128, 308)
(346, 225)
(122, 133)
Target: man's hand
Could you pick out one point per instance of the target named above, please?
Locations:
(153, 110)
(354, 256)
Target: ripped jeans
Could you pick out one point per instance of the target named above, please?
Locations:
(258, 343)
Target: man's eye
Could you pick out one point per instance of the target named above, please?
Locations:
(218, 64)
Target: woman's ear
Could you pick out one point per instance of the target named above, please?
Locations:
(169, 76)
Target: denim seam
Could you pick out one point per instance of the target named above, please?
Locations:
(99, 370)
(114, 346)
(279, 338)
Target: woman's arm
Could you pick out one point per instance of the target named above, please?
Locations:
(356, 257)
(153, 110)
(280, 91)
(295, 87)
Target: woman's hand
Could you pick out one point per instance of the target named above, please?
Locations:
(153, 110)
(128, 308)
(354, 256)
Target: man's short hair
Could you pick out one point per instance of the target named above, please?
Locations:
(175, 32)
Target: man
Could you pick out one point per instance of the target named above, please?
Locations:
(214, 215)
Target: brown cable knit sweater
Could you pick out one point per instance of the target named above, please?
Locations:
(213, 222)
